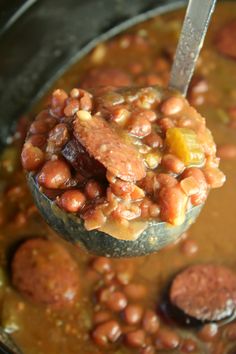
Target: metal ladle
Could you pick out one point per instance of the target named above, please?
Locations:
(158, 234)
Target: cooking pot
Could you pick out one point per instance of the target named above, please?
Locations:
(39, 40)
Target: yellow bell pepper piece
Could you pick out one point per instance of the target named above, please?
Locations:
(184, 143)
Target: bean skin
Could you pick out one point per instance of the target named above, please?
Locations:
(32, 157)
(133, 314)
(227, 151)
(172, 164)
(150, 322)
(230, 332)
(172, 105)
(117, 302)
(189, 247)
(42, 126)
(140, 127)
(135, 339)
(167, 339)
(135, 291)
(59, 135)
(198, 175)
(72, 201)
(173, 203)
(214, 177)
(101, 317)
(72, 106)
(208, 332)
(154, 140)
(58, 102)
(104, 294)
(148, 350)
(188, 346)
(38, 140)
(106, 333)
(166, 180)
(93, 189)
(121, 188)
(102, 265)
(166, 123)
(54, 174)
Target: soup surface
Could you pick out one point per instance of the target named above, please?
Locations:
(122, 305)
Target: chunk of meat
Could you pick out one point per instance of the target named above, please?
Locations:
(225, 40)
(206, 292)
(106, 146)
(105, 77)
(79, 158)
(45, 272)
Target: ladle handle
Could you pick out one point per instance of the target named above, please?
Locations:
(193, 32)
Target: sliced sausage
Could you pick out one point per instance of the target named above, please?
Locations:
(106, 146)
(206, 292)
(79, 158)
(225, 40)
(44, 272)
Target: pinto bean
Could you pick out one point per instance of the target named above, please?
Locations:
(133, 314)
(173, 203)
(43, 124)
(58, 102)
(166, 123)
(54, 174)
(38, 140)
(135, 339)
(189, 247)
(121, 188)
(117, 302)
(101, 316)
(153, 140)
(172, 164)
(135, 291)
(93, 189)
(58, 137)
(227, 152)
(72, 106)
(167, 339)
(72, 201)
(151, 322)
(102, 265)
(214, 177)
(198, 175)
(208, 332)
(107, 332)
(172, 105)
(32, 157)
(139, 127)
(166, 180)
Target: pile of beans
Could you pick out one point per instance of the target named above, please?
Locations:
(120, 155)
(120, 314)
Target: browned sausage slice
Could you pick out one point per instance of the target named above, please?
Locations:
(106, 146)
(45, 273)
(226, 39)
(206, 292)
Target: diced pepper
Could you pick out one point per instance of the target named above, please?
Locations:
(184, 143)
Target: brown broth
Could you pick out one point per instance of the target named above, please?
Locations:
(40, 330)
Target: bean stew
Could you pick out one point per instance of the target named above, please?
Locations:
(54, 297)
(117, 156)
